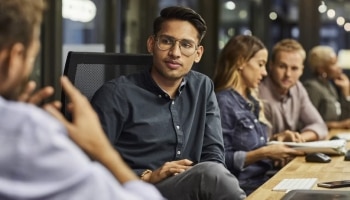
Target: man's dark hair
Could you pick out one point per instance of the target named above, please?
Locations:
(181, 13)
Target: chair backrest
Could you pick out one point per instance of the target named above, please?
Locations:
(89, 70)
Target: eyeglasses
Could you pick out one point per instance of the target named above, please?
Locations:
(187, 47)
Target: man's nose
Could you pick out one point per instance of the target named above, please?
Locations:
(288, 72)
(175, 49)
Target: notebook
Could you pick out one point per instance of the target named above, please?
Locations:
(335, 147)
(316, 195)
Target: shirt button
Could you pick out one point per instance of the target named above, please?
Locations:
(160, 96)
(262, 138)
(172, 102)
(177, 127)
(255, 120)
(178, 152)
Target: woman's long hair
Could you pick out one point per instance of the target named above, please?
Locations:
(238, 51)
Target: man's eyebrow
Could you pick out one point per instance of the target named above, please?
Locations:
(182, 39)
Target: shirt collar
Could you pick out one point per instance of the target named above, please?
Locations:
(182, 85)
(252, 104)
(153, 86)
(273, 87)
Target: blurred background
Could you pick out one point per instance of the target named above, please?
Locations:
(123, 26)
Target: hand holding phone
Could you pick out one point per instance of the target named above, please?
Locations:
(334, 184)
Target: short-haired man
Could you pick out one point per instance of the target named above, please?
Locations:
(292, 115)
(38, 158)
(165, 119)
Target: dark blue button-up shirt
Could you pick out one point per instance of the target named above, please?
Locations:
(148, 128)
(243, 132)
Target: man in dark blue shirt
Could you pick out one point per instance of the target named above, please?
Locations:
(164, 120)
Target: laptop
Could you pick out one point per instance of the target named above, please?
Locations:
(317, 195)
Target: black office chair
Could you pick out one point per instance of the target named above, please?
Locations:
(89, 70)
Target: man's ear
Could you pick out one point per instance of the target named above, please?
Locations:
(199, 54)
(150, 44)
(15, 59)
(11, 63)
(4, 64)
(302, 71)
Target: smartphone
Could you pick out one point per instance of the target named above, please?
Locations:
(335, 184)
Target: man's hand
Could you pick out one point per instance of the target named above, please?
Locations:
(281, 154)
(85, 129)
(288, 136)
(36, 98)
(168, 169)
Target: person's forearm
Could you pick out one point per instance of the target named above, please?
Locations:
(309, 136)
(115, 164)
(334, 124)
(255, 155)
(344, 124)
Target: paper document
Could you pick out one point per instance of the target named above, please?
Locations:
(337, 147)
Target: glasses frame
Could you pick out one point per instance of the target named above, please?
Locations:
(156, 38)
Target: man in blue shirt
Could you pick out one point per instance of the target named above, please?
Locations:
(38, 160)
(164, 120)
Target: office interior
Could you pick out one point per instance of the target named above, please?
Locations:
(123, 26)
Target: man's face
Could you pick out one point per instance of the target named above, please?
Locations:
(286, 70)
(172, 64)
(21, 67)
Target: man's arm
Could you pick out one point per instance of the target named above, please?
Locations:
(213, 143)
(86, 131)
(107, 107)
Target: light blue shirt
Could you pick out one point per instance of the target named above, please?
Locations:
(39, 161)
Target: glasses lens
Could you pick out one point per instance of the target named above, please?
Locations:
(165, 43)
(187, 47)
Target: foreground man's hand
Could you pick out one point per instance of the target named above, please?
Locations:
(86, 131)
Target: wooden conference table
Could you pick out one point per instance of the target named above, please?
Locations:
(337, 169)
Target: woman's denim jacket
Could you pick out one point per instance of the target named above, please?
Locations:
(242, 132)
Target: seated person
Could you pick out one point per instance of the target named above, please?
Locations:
(239, 70)
(287, 104)
(169, 115)
(329, 90)
(39, 159)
